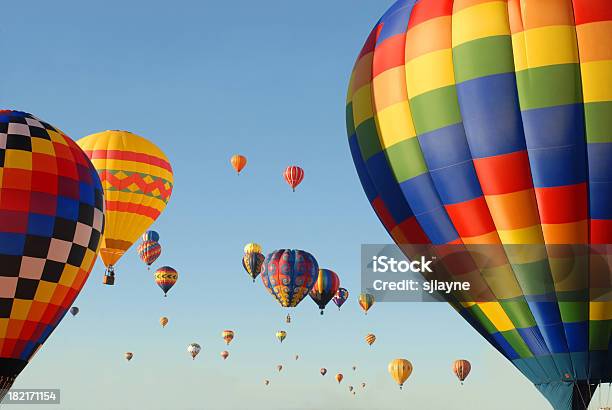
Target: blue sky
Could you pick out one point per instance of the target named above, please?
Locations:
(205, 80)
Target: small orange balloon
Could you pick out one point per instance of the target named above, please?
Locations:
(238, 162)
(339, 377)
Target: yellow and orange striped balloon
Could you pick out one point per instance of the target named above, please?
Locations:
(137, 180)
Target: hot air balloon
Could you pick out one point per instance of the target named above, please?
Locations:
(266, 382)
(363, 385)
(194, 349)
(51, 221)
(150, 236)
(252, 247)
(228, 336)
(325, 288)
(461, 368)
(339, 377)
(166, 277)
(137, 180)
(297, 356)
(370, 338)
(149, 251)
(288, 318)
(354, 368)
(279, 367)
(238, 162)
(353, 393)
(224, 354)
(400, 370)
(504, 143)
(340, 297)
(323, 371)
(253, 264)
(289, 275)
(74, 310)
(281, 335)
(128, 356)
(294, 176)
(366, 301)
(350, 388)
(163, 321)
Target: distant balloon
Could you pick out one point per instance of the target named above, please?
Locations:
(353, 393)
(294, 176)
(166, 277)
(224, 354)
(281, 335)
(339, 377)
(354, 368)
(340, 297)
(266, 382)
(370, 339)
(150, 236)
(128, 356)
(163, 321)
(400, 370)
(252, 247)
(238, 162)
(297, 356)
(149, 251)
(363, 385)
(253, 264)
(137, 180)
(279, 367)
(325, 288)
(228, 336)
(323, 371)
(350, 388)
(74, 310)
(462, 369)
(194, 349)
(366, 301)
(289, 275)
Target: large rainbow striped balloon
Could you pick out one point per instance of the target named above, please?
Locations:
(490, 122)
(137, 180)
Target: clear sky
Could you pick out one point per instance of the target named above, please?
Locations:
(205, 80)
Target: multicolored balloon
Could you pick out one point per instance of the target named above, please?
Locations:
(74, 310)
(325, 288)
(281, 335)
(163, 321)
(366, 301)
(128, 356)
(224, 354)
(166, 277)
(194, 349)
(252, 247)
(51, 221)
(400, 370)
(228, 336)
(462, 369)
(150, 236)
(289, 274)
(467, 126)
(253, 264)
(370, 339)
(137, 180)
(238, 162)
(294, 176)
(340, 297)
(149, 251)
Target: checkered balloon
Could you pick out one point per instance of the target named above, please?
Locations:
(51, 221)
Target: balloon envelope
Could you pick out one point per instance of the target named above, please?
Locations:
(150, 236)
(339, 377)
(128, 356)
(137, 179)
(365, 302)
(294, 176)
(289, 274)
(165, 277)
(323, 371)
(228, 336)
(340, 297)
(238, 162)
(400, 370)
(462, 369)
(149, 251)
(163, 321)
(51, 222)
(281, 335)
(500, 144)
(370, 339)
(325, 288)
(194, 349)
(74, 310)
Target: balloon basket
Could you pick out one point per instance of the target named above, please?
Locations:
(108, 280)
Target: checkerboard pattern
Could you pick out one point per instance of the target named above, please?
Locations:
(488, 122)
(51, 221)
